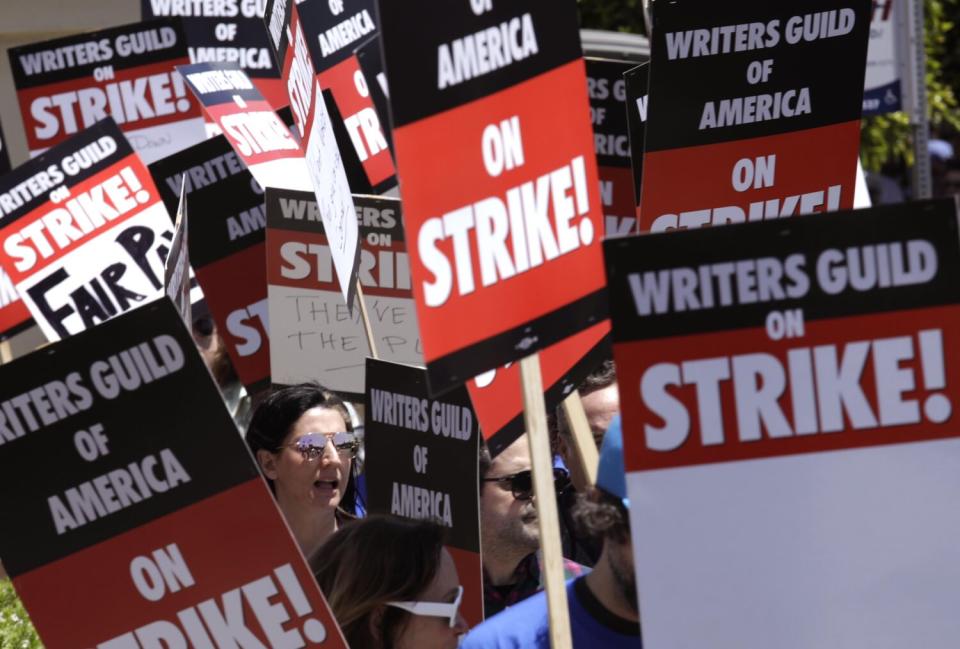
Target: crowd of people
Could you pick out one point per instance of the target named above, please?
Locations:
(390, 582)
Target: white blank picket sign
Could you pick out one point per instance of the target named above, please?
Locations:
(834, 535)
(802, 489)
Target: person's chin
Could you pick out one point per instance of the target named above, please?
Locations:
(453, 643)
(531, 538)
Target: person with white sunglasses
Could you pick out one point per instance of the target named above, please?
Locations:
(392, 585)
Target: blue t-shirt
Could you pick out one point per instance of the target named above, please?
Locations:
(526, 624)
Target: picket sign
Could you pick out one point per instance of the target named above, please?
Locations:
(548, 520)
(586, 448)
(176, 272)
(425, 466)
(125, 72)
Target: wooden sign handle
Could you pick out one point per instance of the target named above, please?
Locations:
(541, 458)
(586, 448)
(6, 352)
(366, 321)
(648, 19)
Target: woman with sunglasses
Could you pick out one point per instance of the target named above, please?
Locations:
(304, 445)
(391, 585)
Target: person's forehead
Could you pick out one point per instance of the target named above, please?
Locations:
(602, 399)
(515, 457)
(318, 420)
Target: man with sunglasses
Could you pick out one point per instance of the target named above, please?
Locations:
(603, 604)
(509, 535)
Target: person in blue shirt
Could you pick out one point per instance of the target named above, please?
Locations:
(603, 604)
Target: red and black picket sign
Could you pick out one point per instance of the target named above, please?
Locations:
(68, 84)
(370, 58)
(152, 503)
(83, 233)
(500, 189)
(497, 396)
(636, 87)
(254, 130)
(226, 32)
(315, 336)
(14, 315)
(755, 110)
(781, 338)
(608, 110)
(421, 463)
(340, 28)
(226, 248)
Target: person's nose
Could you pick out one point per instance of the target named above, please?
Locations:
(330, 453)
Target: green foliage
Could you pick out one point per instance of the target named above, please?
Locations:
(885, 138)
(16, 630)
(614, 15)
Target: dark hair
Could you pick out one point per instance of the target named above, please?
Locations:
(484, 461)
(602, 377)
(275, 416)
(370, 562)
(600, 515)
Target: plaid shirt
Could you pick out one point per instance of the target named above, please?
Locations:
(527, 580)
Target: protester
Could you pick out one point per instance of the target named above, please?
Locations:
(603, 604)
(304, 444)
(601, 402)
(390, 583)
(213, 349)
(509, 533)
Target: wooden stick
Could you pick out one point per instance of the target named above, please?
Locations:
(6, 352)
(647, 20)
(541, 458)
(583, 442)
(366, 321)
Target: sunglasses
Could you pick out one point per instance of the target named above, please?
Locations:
(203, 325)
(312, 445)
(521, 483)
(447, 610)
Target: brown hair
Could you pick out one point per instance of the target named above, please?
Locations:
(373, 561)
(600, 515)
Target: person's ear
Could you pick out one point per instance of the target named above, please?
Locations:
(375, 623)
(268, 463)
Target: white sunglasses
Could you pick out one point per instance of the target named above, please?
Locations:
(447, 610)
